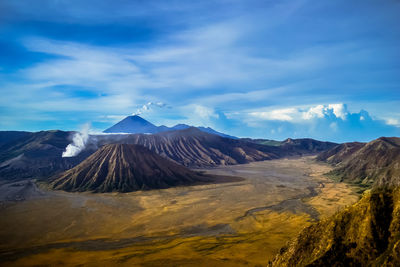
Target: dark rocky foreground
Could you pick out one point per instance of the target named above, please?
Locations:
(367, 233)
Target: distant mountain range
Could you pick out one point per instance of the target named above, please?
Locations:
(192, 147)
(136, 124)
(38, 155)
(302, 145)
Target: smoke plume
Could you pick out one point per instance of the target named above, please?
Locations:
(146, 107)
(79, 141)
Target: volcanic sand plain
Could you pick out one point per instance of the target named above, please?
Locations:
(227, 224)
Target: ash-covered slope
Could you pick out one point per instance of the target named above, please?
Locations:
(9, 136)
(125, 168)
(194, 148)
(377, 162)
(35, 155)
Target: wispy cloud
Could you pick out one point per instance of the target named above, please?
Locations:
(148, 106)
(286, 114)
(393, 121)
(219, 63)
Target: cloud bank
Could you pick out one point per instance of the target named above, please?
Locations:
(333, 122)
(298, 114)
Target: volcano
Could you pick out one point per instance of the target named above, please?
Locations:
(133, 124)
(126, 168)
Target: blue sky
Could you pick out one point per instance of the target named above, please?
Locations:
(269, 69)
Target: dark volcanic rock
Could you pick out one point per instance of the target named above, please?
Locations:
(36, 155)
(125, 168)
(9, 136)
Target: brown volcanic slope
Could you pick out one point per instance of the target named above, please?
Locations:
(340, 152)
(194, 148)
(125, 168)
(305, 145)
(367, 233)
(377, 162)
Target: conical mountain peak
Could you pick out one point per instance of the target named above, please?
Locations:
(125, 168)
(133, 124)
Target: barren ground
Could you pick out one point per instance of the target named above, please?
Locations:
(230, 224)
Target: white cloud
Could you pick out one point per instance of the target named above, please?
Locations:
(147, 107)
(204, 112)
(299, 114)
(193, 114)
(340, 110)
(312, 112)
(393, 121)
(287, 114)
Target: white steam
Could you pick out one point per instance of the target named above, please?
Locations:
(79, 141)
(146, 107)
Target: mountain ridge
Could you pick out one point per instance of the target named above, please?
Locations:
(38, 155)
(376, 162)
(366, 233)
(135, 125)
